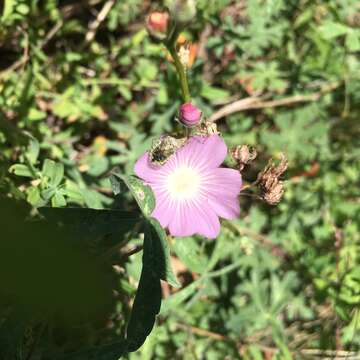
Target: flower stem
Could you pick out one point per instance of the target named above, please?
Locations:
(171, 46)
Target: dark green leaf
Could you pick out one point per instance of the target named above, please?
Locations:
(92, 222)
(162, 261)
(148, 297)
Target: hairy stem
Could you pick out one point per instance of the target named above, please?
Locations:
(171, 46)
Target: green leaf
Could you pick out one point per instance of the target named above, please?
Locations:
(173, 301)
(54, 171)
(36, 115)
(22, 9)
(214, 93)
(148, 297)
(33, 150)
(48, 168)
(33, 196)
(142, 193)
(331, 30)
(58, 200)
(8, 9)
(187, 249)
(163, 262)
(58, 174)
(21, 170)
(92, 222)
(352, 41)
(51, 264)
(48, 193)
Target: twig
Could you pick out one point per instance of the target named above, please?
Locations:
(234, 107)
(202, 332)
(20, 62)
(258, 102)
(51, 33)
(25, 57)
(69, 10)
(99, 19)
(131, 252)
(14, 66)
(333, 354)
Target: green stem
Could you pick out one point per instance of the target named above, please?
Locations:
(179, 67)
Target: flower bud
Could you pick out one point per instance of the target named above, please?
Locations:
(190, 115)
(157, 24)
(183, 11)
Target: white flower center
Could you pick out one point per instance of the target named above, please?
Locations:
(183, 183)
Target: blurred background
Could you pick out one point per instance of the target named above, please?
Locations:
(84, 89)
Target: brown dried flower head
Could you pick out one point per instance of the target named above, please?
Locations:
(268, 181)
(243, 155)
(206, 128)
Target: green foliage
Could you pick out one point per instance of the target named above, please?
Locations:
(277, 282)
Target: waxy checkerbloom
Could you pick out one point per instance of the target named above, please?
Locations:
(191, 189)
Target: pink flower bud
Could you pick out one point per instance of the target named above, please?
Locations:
(157, 22)
(189, 114)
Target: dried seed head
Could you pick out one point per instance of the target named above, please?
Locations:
(268, 181)
(243, 155)
(275, 193)
(206, 128)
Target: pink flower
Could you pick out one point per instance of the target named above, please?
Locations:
(191, 190)
(189, 114)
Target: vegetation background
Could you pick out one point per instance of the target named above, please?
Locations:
(84, 89)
